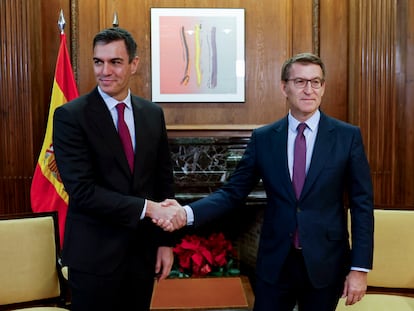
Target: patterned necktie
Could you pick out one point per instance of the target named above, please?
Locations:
(125, 136)
(299, 170)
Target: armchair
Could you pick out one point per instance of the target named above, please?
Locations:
(30, 274)
(391, 282)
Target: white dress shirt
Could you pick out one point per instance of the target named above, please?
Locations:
(128, 113)
(111, 103)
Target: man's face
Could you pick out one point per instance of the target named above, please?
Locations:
(112, 68)
(303, 102)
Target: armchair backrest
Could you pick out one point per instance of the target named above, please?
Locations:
(29, 247)
(393, 249)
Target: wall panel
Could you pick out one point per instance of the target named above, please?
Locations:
(18, 91)
(379, 61)
(404, 181)
(333, 37)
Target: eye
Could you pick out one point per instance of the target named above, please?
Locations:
(316, 82)
(299, 82)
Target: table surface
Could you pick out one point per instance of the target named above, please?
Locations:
(249, 297)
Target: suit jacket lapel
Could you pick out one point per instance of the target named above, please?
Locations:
(321, 152)
(98, 115)
(279, 151)
(143, 124)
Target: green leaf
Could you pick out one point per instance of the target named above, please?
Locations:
(234, 271)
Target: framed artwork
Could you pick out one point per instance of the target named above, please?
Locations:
(197, 55)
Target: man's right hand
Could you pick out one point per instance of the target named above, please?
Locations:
(169, 214)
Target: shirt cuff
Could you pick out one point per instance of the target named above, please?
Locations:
(359, 269)
(190, 214)
(144, 210)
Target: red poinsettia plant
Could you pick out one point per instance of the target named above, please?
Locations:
(199, 256)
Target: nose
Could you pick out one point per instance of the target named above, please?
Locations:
(106, 69)
(308, 87)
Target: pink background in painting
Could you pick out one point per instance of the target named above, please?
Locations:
(172, 56)
(172, 59)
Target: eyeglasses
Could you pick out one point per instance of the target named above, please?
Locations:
(302, 83)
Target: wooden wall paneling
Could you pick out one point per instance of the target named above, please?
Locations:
(19, 83)
(333, 39)
(372, 92)
(268, 44)
(408, 160)
(135, 16)
(302, 15)
(87, 24)
(405, 91)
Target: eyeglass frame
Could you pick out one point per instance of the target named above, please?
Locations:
(321, 81)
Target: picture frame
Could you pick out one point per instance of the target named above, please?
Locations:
(197, 55)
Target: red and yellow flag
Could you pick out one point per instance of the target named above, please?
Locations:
(47, 191)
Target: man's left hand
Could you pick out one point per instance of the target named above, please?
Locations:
(165, 259)
(355, 287)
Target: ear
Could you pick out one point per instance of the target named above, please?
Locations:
(322, 91)
(283, 87)
(134, 65)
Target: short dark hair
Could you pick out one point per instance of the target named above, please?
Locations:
(114, 34)
(303, 58)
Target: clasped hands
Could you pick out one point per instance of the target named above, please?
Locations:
(169, 214)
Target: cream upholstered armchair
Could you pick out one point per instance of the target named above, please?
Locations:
(391, 282)
(30, 275)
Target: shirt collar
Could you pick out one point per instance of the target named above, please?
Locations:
(312, 122)
(112, 102)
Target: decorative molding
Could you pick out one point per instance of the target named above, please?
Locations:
(315, 27)
(74, 35)
(214, 127)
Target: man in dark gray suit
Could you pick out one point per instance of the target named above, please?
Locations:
(304, 256)
(111, 247)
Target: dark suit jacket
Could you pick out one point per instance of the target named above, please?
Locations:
(105, 198)
(338, 165)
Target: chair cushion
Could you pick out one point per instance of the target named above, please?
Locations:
(379, 302)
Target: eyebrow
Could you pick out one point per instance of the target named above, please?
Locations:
(111, 60)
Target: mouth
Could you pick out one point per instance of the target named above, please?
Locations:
(106, 81)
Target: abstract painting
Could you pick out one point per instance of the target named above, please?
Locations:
(197, 55)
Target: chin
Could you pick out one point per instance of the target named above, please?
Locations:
(106, 89)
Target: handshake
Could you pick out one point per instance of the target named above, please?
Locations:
(169, 214)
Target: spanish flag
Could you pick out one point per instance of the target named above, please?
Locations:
(47, 192)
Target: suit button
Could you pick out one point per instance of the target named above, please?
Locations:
(298, 209)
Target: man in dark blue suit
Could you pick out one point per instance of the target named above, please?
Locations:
(304, 256)
(111, 247)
